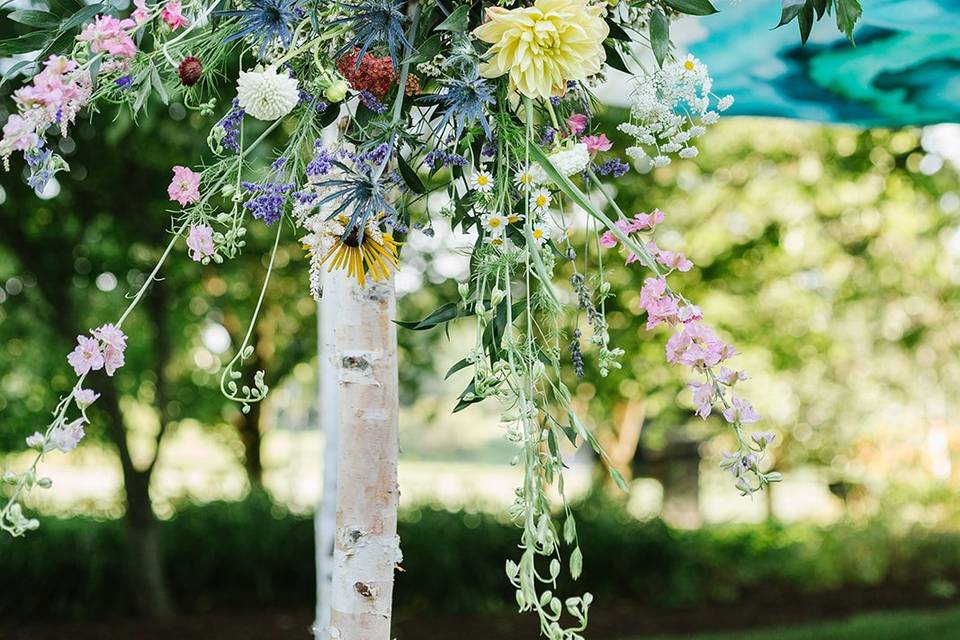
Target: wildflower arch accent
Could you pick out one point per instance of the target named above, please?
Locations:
(487, 107)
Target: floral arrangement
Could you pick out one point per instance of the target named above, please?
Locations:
(490, 107)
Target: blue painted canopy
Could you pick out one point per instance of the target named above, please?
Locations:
(904, 69)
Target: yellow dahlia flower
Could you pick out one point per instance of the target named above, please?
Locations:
(543, 46)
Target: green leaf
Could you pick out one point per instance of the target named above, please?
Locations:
(659, 35)
(410, 176)
(462, 364)
(24, 44)
(82, 16)
(805, 21)
(458, 21)
(848, 12)
(32, 18)
(821, 6)
(444, 313)
(619, 480)
(158, 85)
(614, 59)
(14, 70)
(427, 50)
(789, 9)
(463, 404)
(692, 7)
(617, 32)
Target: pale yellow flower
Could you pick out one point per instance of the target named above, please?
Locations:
(544, 46)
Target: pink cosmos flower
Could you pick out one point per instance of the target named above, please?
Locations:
(200, 241)
(107, 34)
(596, 144)
(87, 356)
(85, 397)
(740, 412)
(185, 186)
(577, 123)
(67, 437)
(171, 14)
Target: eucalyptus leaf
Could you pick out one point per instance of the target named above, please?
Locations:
(458, 21)
(33, 18)
(659, 35)
(692, 7)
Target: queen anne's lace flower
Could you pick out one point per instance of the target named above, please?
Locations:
(669, 111)
(266, 94)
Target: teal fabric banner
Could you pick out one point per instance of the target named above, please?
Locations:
(904, 69)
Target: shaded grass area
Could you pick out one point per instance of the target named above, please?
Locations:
(898, 625)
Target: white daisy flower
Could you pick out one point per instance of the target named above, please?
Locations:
(493, 223)
(482, 181)
(540, 234)
(525, 179)
(540, 200)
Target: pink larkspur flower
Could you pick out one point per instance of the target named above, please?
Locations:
(36, 440)
(173, 16)
(185, 186)
(690, 313)
(596, 144)
(111, 336)
(740, 412)
(200, 241)
(645, 221)
(67, 437)
(662, 310)
(653, 289)
(86, 356)
(85, 397)
(730, 377)
(112, 359)
(141, 14)
(608, 240)
(107, 34)
(703, 395)
(674, 260)
(577, 123)
(19, 134)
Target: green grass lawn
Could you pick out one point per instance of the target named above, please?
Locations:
(903, 625)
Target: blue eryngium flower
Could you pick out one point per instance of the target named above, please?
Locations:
(463, 103)
(358, 192)
(264, 20)
(374, 22)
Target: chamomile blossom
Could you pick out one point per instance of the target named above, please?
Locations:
(525, 179)
(540, 234)
(540, 200)
(494, 223)
(482, 181)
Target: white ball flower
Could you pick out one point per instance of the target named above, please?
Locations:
(568, 162)
(266, 94)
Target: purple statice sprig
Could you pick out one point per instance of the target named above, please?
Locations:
(267, 199)
(440, 158)
(615, 168)
(370, 102)
(226, 133)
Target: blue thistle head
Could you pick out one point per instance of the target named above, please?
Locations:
(463, 103)
(374, 22)
(358, 191)
(265, 20)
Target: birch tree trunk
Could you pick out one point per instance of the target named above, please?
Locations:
(366, 549)
(325, 517)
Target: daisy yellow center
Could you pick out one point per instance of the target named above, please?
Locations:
(544, 46)
(483, 180)
(494, 222)
(537, 234)
(688, 65)
(541, 201)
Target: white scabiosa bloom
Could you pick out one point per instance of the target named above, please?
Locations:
(266, 94)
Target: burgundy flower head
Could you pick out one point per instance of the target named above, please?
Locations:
(190, 71)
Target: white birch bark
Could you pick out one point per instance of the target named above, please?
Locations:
(366, 547)
(328, 411)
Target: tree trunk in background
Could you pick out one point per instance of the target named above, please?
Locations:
(325, 517)
(366, 547)
(144, 551)
(248, 428)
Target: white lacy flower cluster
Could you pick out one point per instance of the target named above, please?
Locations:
(568, 162)
(671, 108)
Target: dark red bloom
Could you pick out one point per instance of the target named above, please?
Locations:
(190, 71)
(375, 74)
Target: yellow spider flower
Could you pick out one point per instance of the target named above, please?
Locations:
(544, 46)
(375, 254)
